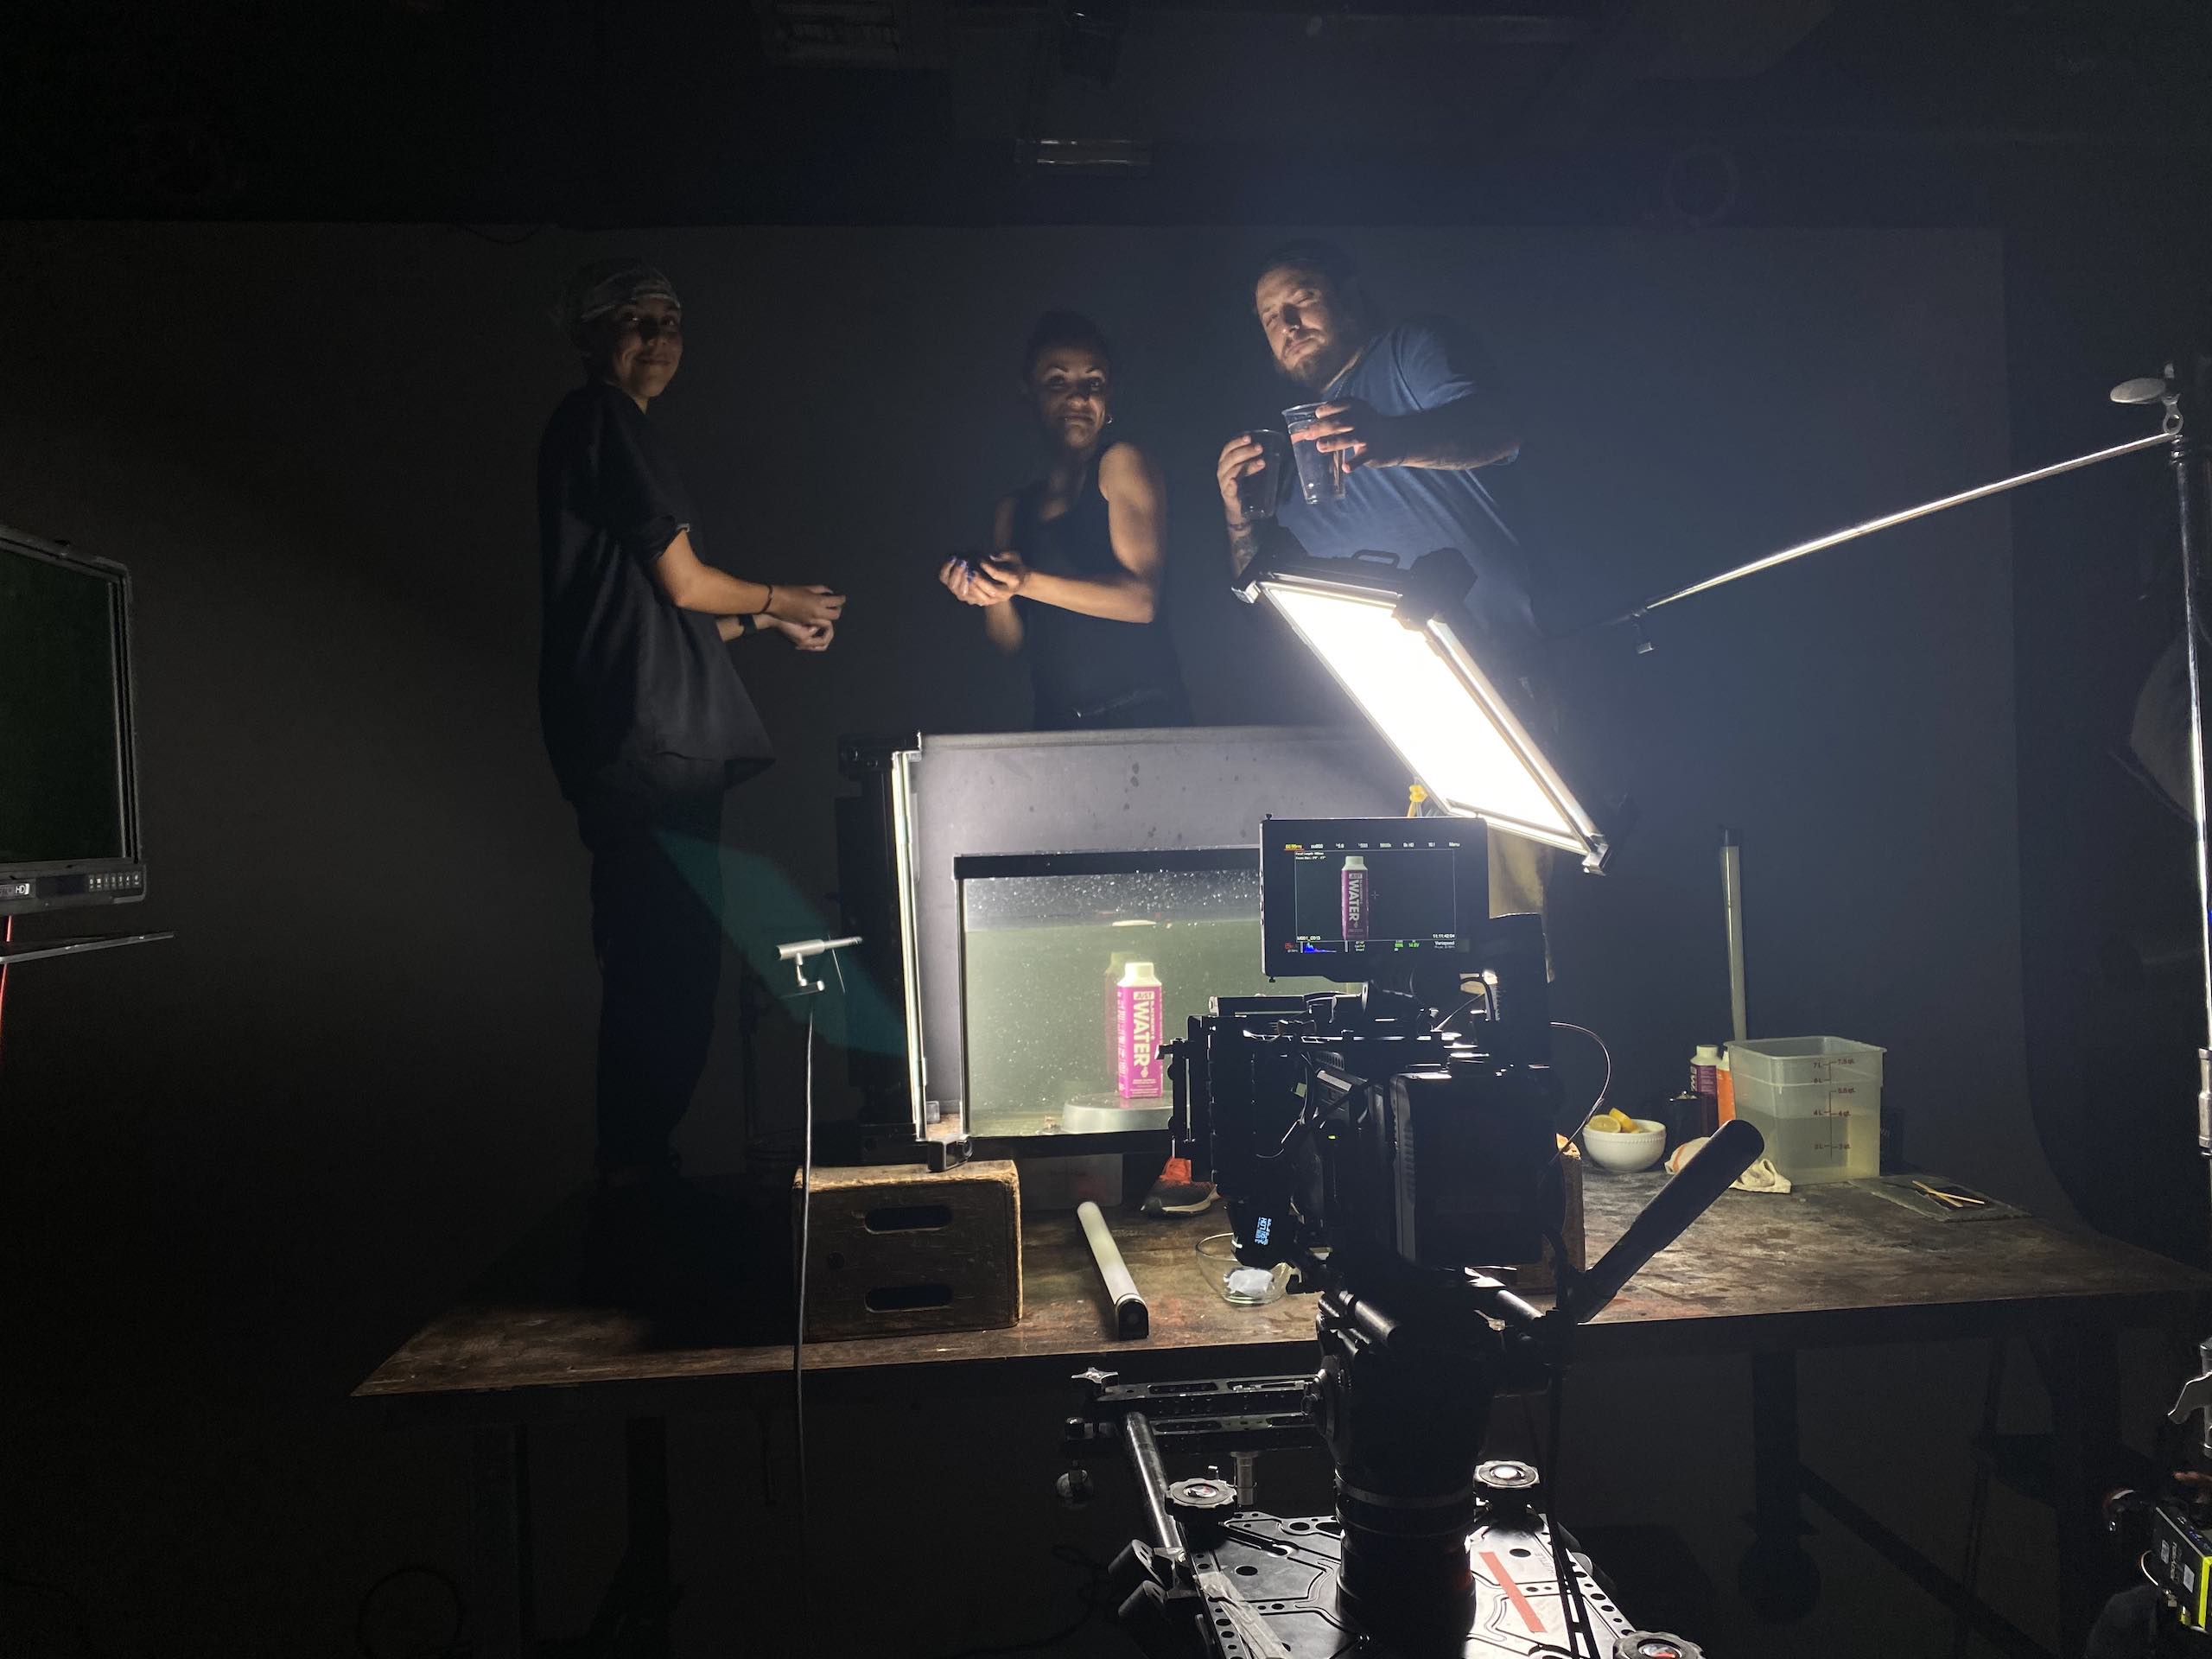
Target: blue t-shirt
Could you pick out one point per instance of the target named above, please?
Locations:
(1422, 363)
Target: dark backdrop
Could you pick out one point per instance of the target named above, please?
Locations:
(239, 1166)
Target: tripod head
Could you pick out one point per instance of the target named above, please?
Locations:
(1411, 1361)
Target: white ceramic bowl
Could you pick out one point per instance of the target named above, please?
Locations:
(1624, 1153)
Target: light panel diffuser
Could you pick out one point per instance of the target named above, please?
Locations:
(1434, 704)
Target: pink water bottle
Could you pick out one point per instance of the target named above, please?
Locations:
(1355, 898)
(1139, 1011)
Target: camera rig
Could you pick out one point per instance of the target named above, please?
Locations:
(1394, 1155)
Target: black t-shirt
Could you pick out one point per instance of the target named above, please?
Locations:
(1085, 665)
(635, 692)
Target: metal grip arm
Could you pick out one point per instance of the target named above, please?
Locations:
(1854, 532)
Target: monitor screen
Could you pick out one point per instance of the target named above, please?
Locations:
(1346, 898)
(63, 794)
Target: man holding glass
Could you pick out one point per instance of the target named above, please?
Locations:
(1412, 412)
(1394, 429)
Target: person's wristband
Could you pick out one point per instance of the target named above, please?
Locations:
(768, 604)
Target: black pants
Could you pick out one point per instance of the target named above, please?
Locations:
(656, 928)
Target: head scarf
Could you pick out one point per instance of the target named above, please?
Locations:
(605, 285)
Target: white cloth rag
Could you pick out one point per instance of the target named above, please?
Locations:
(1761, 1177)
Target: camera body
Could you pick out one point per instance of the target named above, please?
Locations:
(1412, 1121)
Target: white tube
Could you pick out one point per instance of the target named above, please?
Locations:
(1131, 1317)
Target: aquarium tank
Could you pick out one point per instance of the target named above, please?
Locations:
(1074, 965)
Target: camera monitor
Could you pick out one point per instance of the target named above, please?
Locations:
(1354, 898)
(68, 790)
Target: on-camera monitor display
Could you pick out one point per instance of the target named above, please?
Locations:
(1366, 888)
(60, 783)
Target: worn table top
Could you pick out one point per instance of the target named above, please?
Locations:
(1823, 1266)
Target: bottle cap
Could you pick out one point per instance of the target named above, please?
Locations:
(1137, 970)
(1707, 1054)
(1354, 862)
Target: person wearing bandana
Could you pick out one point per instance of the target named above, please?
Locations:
(646, 722)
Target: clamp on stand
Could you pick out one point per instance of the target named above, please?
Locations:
(941, 1155)
(800, 952)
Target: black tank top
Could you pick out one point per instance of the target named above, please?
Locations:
(1086, 670)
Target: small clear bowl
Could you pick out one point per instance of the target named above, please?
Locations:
(1240, 1285)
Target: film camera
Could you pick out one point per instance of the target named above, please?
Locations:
(1365, 1127)
(1397, 1146)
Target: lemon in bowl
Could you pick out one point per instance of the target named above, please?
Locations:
(1623, 1150)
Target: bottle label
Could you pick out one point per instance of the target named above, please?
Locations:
(1355, 905)
(1137, 1041)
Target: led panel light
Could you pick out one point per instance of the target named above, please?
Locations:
(1432, 704)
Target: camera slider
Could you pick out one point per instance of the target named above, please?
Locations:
(1235, 1582)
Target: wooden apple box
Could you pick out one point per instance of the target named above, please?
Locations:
(1539, 1275)
(895, 1249)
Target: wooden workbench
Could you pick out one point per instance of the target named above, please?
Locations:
(1763, 1275)
(1824, 1266)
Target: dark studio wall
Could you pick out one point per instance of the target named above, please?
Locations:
(240, 1165)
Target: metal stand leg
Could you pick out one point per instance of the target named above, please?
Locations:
(1777, 1577)
(1993, 1396)
(499, 1501)
(633, 1616)
(650, 1551)
(1139, 1171)
(2190, 454)
(2081, 1371)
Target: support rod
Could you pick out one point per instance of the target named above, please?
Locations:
(37, 950)
(1731, 901)
(2188, 451)
(1152, 1477)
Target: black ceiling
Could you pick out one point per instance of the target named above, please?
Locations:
(671, 111)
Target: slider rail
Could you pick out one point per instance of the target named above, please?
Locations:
(1239, 1413)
